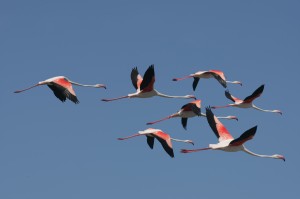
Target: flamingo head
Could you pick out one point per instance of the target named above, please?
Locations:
(189, 141)
(237, 82)
(233, 118)
(277, 111)
(100, 86)
(276, 156)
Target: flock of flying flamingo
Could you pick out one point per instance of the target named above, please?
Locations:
(62, 89)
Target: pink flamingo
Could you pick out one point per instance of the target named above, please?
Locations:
(145, 86)
(161, 136)
(189, 110)
(227, 142)
(217, 74)
(247, 102)
(62, 88)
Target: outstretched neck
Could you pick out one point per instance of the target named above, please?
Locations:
(271, 111)
(178, 140)
(173, 96)
(234, 82)
(255, 154)
(87, 85)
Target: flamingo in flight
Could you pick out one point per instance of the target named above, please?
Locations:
(227, 142)
(62, 88)
(145, 86)
(162, 137)
(247, 102)
(217, 74)
(188, 110)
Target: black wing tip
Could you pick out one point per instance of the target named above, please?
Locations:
(254, 128)
(208, 108)
(262, 86)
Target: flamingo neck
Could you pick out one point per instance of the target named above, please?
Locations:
(234, 82)
(178, 140)
(257, 155)
(171, 96)
(134, 135)
(271, 111)
(84, 85)
(228, 117)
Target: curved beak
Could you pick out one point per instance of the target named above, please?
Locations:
(102, 86)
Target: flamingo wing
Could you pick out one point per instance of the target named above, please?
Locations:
(150, 141)
(136, 78)
(192, 107)
(195, 82)
(184, 122)
(62, 93)
(218, 128)
(148, 79)
(247, 135)
(165, 141)
(219, 75)
(231, 97)
(255, 94)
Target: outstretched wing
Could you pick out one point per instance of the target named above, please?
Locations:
(165, 141)
(218, 128)
(255, 94)
(62, 93)
(148, 79)
(150, 141)
(184, 122)
(219, 75)
(247, 135)
(195, 82)
(136, 78)
(192, 107)
(231, 97)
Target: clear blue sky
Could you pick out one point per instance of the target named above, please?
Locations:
(50, 149)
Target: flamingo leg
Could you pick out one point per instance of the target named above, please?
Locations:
(112, 99)
(193, 150)
(19, 91)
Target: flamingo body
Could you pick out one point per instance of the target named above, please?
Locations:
(247, 102)
(217, 74)
(164, 139)
(62, 88)
(145, 86)
(189, 110)
(226, 141)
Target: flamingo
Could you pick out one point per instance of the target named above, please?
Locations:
(62, 88)
(188, 110)
(227, 142)
(145, 86)
(217, 74)
(247, 102)
(162, 137)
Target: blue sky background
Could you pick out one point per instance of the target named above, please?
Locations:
(50, 149)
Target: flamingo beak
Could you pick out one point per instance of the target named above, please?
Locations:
(102, 86)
